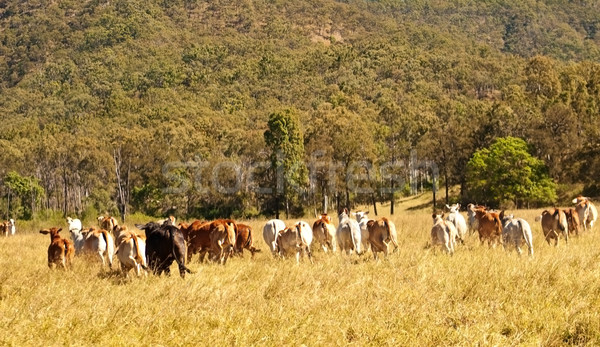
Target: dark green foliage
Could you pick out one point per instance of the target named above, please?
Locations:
(507, 173)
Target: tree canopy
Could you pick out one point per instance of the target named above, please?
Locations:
(507, 173)
(174, 89)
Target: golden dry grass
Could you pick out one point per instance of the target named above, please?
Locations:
(417, 296)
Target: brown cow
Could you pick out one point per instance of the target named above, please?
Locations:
(381, 233)
(324, 233)
(60, 251)
(197, 237)
(489, 226)
(573, 221)
(554, 223)
(204, 237)
(245, 239)
(4, 228)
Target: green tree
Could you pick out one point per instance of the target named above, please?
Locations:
(25, 192)
(286, 142)
(507, 173)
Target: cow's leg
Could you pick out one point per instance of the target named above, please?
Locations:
(386, 250)
(309, 254)
(189, 253)
(101, 256)
(447, 247)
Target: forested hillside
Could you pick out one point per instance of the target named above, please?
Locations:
(136, 105)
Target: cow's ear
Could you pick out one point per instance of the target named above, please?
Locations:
(434, 215)
(44, 231)
(59, 230)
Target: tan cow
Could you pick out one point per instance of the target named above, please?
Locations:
(295, 240)
(554, 224)
(131, 251)
(443, 233)
(60, 251)
(381, 233)
(587, 212)
(101, 243)
(222, 238)
(324, 233)
(107, 223)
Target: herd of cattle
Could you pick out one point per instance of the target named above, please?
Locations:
(163, 242)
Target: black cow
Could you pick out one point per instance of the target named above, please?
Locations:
(164, 243)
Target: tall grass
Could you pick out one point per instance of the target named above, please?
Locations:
(418, 296)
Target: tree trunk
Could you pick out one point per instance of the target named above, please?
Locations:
(374, 204)
(434, 189)
(287, 208)
(8, 205)
(66, 191)
(392, 197)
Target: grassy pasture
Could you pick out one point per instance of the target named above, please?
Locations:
(417, 296)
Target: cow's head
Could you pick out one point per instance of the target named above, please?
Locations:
(453, 208)
(437, 217)
(52, 231)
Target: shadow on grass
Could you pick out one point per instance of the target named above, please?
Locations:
(420, 207)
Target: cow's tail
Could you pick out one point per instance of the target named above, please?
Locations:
(250, 241)
(181, 265)
(386, 222)
(355, 244)
(110, 244)
(498, 225)
(139, 257)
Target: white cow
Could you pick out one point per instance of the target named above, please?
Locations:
(295, 240)
(458, 220)
(11, 227)
(443, 233)
(514, 230)
(78, 240)
(74, 224)
(131, 252)
(270, 232)
(587, 212)
(99, 242)
(348, 234)
(75, 231)
(363, 219)
(472, 222)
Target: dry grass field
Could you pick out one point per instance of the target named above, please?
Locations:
(418, 296)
